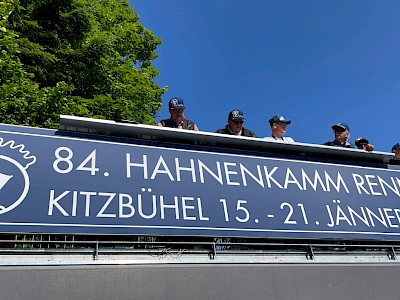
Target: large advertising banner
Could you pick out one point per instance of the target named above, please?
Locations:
(52, 183)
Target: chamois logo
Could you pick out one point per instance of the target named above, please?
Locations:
(14, 178)
(174, 103)
(235, 114)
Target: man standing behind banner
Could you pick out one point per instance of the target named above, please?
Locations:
(278, 129)
(177, 119)
(363, 144)
(396, 158)
(342, 133)
(235, 125)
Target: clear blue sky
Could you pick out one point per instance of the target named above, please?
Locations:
(315, 62)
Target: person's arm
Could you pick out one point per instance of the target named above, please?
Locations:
(369, 147)
(289, 140)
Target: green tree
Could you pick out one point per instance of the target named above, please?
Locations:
(19, 94)
(79, 57)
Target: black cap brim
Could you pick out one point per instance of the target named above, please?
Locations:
(273, 120)
(362, 141)
(338, 126)
(285, 122)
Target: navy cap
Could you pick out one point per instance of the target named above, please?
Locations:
(236, 114)
(396, 147)
(176, 103)
(361, 140)
(343, 126)
(278, 119)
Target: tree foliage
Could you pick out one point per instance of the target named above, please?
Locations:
(77, 57)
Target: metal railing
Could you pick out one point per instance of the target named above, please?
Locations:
(179, 248)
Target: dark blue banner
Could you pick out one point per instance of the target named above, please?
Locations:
(56, 184)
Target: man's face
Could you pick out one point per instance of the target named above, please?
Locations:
(341, 134)
(278, 129)
(396, 153)
(177, 115)
(235, 125)
(362, 146)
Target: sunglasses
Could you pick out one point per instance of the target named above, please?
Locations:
(338, 130)
(237, 122)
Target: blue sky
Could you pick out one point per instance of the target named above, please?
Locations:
(315, 62)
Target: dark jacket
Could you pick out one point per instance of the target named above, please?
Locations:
(186, 124)
(393, 161)
(245, 132)
(335, 143)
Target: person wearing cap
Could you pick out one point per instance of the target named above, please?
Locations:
(177, 119)
(278, 129)
(363, 144)
(342, 134)
(235, 125)
(396, 158)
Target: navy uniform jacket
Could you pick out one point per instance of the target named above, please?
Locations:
(245, 132)
(336, 143)
(185, 124)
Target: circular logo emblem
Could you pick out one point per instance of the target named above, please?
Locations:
(14, 184)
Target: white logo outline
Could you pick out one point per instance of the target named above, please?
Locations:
(23, 169)
(26, 187)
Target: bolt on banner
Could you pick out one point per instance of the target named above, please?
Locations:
(56, 184)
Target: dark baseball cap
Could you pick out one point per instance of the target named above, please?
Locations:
(236, 114)
(396, 147)
(343, 126)
(278, 119)
(176, 103)
(360, 141)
